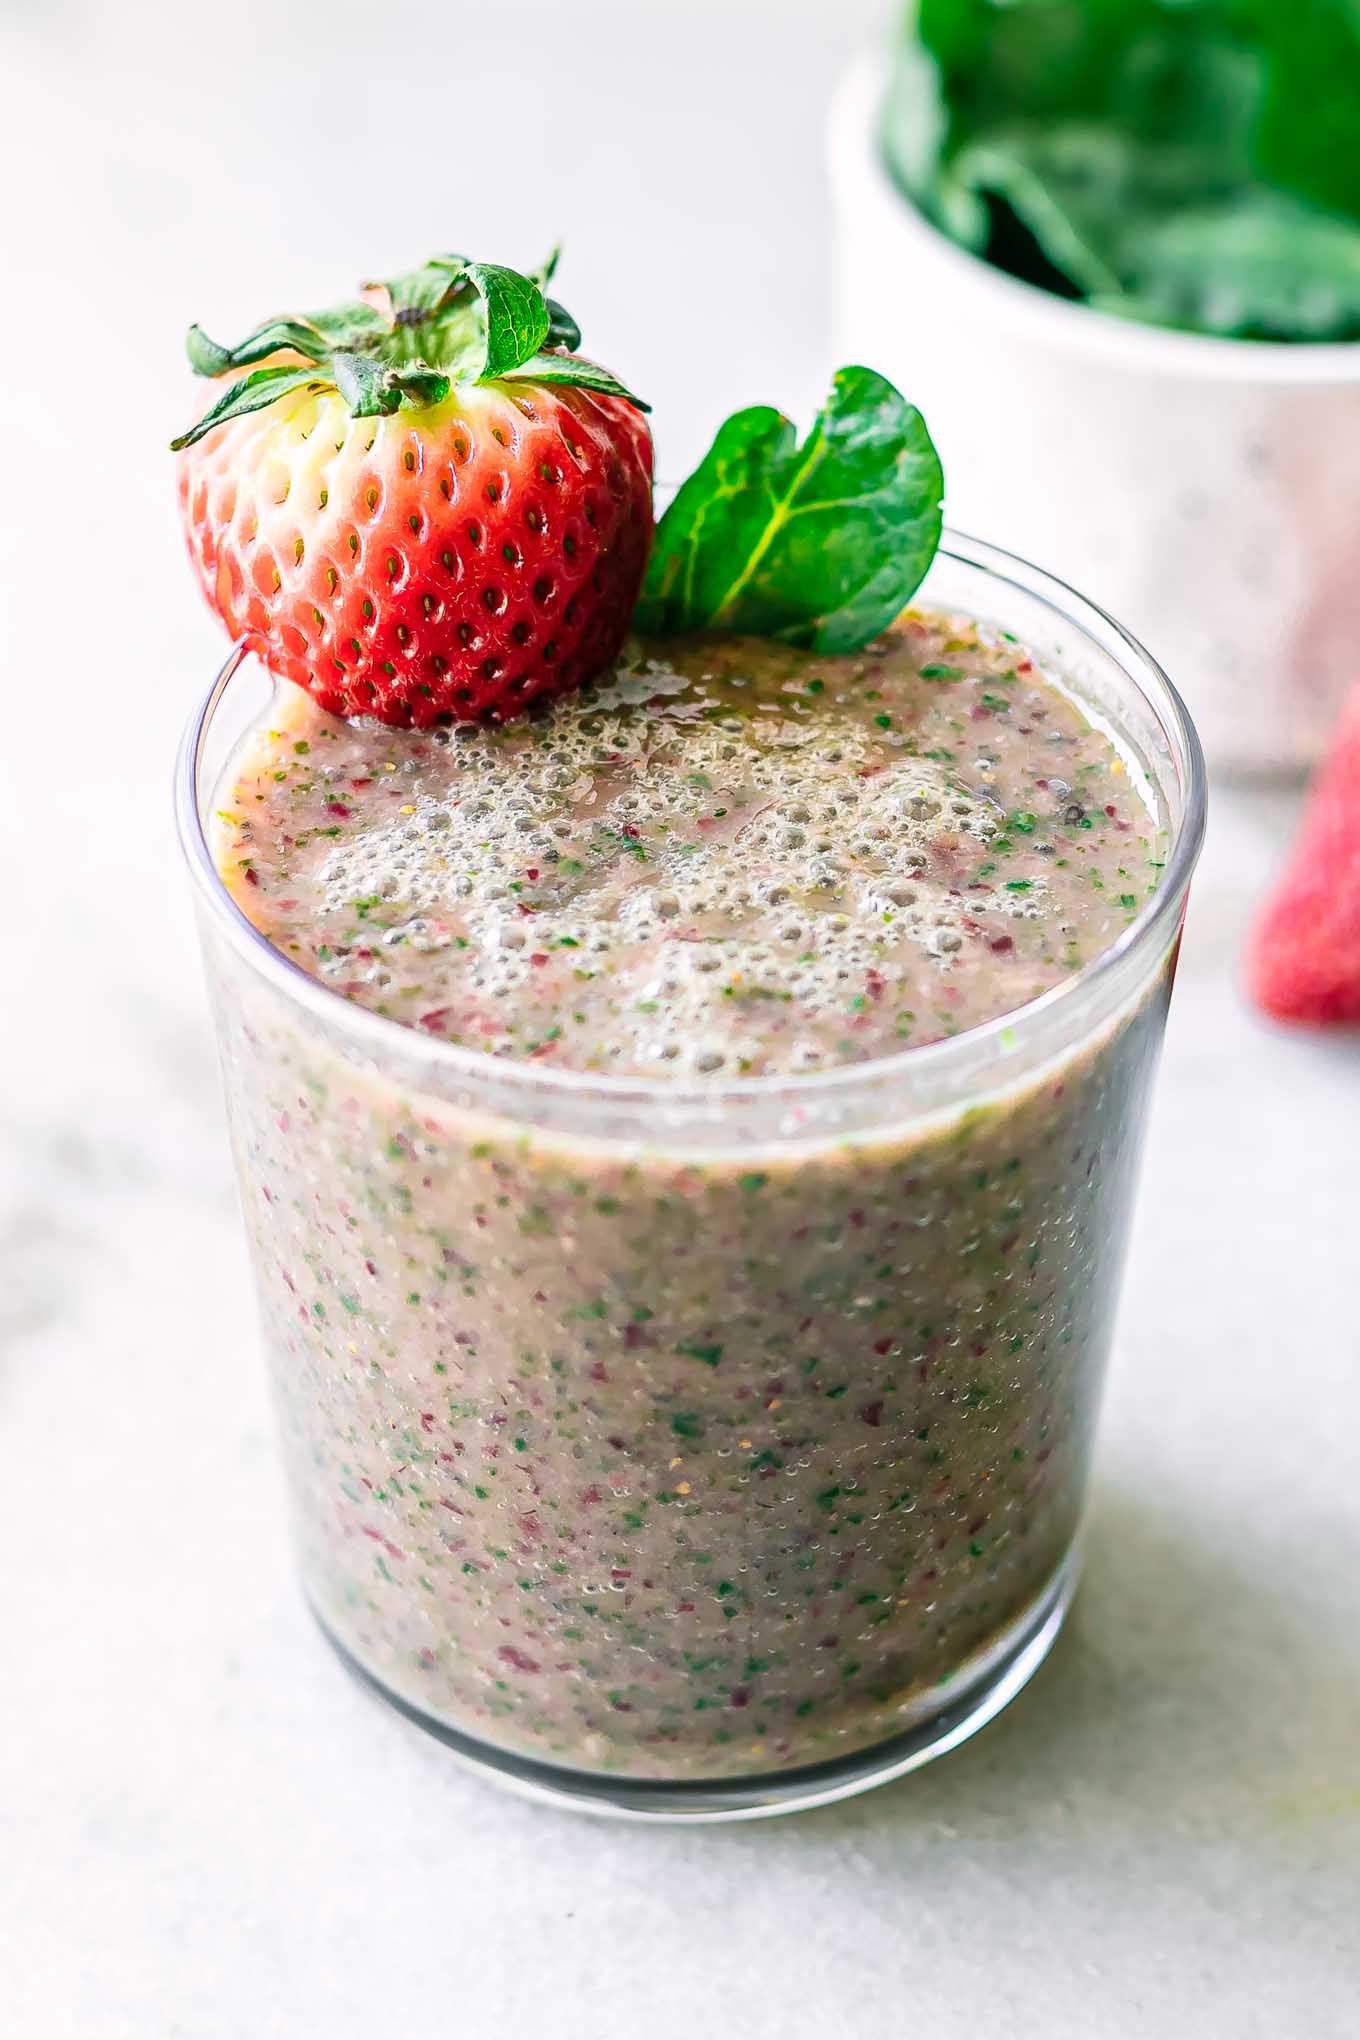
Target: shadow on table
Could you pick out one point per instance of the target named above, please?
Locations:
(1188, 1692)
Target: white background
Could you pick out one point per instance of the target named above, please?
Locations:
(204, 1829)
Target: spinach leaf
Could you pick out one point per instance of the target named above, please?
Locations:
(1306, 138)
(1192, 164)
(1263, 267)
(821, 543)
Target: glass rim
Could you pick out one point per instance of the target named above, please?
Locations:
(948, 1066)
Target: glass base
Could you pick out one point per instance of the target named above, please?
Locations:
(992, 1683)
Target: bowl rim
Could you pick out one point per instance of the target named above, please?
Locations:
(860, 179)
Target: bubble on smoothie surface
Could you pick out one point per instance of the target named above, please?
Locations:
(734, 859)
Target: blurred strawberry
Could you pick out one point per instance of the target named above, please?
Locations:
(422, 503)
(1304, 960)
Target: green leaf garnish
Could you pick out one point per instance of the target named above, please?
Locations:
(820, 544)
(451, 322)
(1191, 164)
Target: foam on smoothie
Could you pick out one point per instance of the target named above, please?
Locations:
(722, 860)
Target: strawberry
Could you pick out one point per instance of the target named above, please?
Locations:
(1304, 961)
(424, 503)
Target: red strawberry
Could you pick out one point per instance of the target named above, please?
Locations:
(1304, 961)
(421, 504)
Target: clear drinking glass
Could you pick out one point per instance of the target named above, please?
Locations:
(647, 1493)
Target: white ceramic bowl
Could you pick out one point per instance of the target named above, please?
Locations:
(1206, 491)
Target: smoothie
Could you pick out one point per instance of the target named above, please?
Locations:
(701, 1464)
(727, 859)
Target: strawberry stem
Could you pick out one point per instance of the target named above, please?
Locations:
(449, 323)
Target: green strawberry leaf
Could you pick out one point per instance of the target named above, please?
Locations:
(421, 387)
(264, 386)
(449, 322)
(351, 325)
(312, 336)
(514, 320)
(417, 294)
(366, 385)
(207, 357)
(574, 369)
(820, 544)
(563, 330)
(546, 269)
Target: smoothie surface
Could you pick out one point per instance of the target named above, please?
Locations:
(727, 858)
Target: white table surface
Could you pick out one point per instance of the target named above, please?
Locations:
(205, 1829)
